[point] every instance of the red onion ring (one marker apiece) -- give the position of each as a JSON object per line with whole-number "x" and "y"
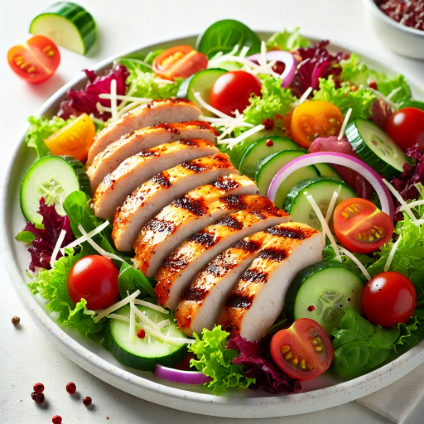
{"x": 179, "y": 376}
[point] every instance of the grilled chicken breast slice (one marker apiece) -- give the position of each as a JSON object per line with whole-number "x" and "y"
{"x": 203, "y": 299}
{"x": 110, "y": 158}
{"x": 139, "y": 168}
{"x": 145, "y": 202}
{"x": 147, "y": 115}
{"x": 258, "y": 298}
{"x": 183, "y": 217}
{"x": 200, "y": 248}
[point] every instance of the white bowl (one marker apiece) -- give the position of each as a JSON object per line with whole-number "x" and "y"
{"x": 400, "y": 38}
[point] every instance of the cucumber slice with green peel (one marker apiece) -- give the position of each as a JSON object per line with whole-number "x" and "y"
{"x": 51, "y": 177}
{"x": 144, "y": 354}
{"x": 323, "y": 292}
{"x": 262, "y": 148}
{"x": 183, "y": 88}
{"x": 322, "y": 190}
{"x": 82, "y": 176}
{"x": 326, "y": 170}
{"x": 202, "y": 82}
{"x": 375, "y": 148}
{"x": 68, "y": 25}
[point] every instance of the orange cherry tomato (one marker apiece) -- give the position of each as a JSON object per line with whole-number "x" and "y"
{"x": 303, "y": 351}
{"x": 179, "y": 61}
{"x": 36, "y": 60}
{"x": 315, "y": 119}
{"x": 360, "y": 226}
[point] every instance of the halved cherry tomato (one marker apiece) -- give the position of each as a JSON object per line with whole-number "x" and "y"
{"x": 389, "y": 299}
{"x": 179, "y": 61}
{"x": 315, "y": 119}
{"x": 75, "y": 139}
{"x": 406, "y": 128}
{"x": 36, "y": 60}
{"x": 360, "y": 226}
{"x": 303, "y": 351}
{"x": 95, "y": 279}
{"x": 232, "y": 91}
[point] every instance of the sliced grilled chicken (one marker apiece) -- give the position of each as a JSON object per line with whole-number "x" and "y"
{"x": 182, "y": 218}
{"x": 203, "y": 299}
{"x": 144, "y": 203}
{"x": 156, "y": 112}
{"x": 139, "y": 168}
{"x": 109, "y": 159}
{"x": 200, "y": 248}
{"x": 258, "y": 298}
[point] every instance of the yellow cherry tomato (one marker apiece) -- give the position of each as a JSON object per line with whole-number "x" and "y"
{"x": 315, "y": 119}
{"x": 75, "y": 139}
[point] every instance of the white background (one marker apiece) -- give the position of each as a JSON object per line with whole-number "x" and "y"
{"x": 26, "y": 356}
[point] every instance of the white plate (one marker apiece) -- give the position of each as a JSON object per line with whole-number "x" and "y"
{"x": 318, "y": 394}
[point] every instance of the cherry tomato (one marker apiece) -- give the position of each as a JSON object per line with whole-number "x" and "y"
{"x": 389, "y": 299}
{"x": 360, "y": 226}
{"x": 179, "y": 61}
{"x": 36, "y": 60}
{"x": 75, "y": 139}
{"x": 232, "y": 91}
{"x": 95, "y": 279}
{"x": 406, "y": 128}
{"x": 315, "y": 119}
{"x": 303, "y": 351}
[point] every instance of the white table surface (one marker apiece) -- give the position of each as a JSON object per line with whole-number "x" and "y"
{"x": 26, "y": 356}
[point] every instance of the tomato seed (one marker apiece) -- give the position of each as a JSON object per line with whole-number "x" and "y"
{"x": 284, "y": 348}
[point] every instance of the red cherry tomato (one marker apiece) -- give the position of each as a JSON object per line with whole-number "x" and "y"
{"x": 406, "y": 128}
{"x": 360, "y": 226}
{"x": 95, "y": 279}
{"x": 179, "y": 61}
{"x": 388, "y": 299}
{"x": 36, "y": 60}
{"x": 303, "y": 351}
{"x": 232, "y": 91}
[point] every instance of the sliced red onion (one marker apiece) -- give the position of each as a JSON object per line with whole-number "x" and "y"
{"x": 337, "y": 159}
{"x": 280, "y": 56}
{"x": 179, "y": 376}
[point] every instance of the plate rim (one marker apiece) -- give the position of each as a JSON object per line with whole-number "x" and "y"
{"x": 206, "y": 404}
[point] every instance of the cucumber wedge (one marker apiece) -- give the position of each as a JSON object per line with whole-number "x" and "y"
{"x": 321, "y": 189}
{"x": 68, "y": 25}
{"x": 323, "y": 292}
{"x": 262, "y": 148}
{"x": 375, "y": 148}
{"x": 144, "y": 354}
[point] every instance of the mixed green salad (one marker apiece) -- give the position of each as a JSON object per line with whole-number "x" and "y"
{"x": 333, "y": 143}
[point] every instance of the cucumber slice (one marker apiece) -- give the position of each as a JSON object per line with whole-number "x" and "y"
{"x": 53, "y": 178}
{"x": 259, "y": 149}
{"x": 82, "y": 176}
{"x": 326, "y": 170}
{"x": 375, "y": 148}
{"x": 323, "y": 292}
{"x": 321, "y": 189}
{"x": 144, "y": 354}
{"x": 202, "y": 82}
{"x": 68, "y": 25}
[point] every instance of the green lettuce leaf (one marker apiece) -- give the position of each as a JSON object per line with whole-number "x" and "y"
{"x": 214, "y": 360}
{"x": 25, "y": 236}
{"x": 359, "y": 101}
{"x": 287, "y": 41}
{"x": 132, "y": 279}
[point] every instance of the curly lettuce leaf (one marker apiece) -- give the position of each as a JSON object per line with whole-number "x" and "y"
{"x": 131, "y": 279}
{"x": 287, "y": 40}
{"x": 215, "y": 361}
{"x": 360, "y": 101}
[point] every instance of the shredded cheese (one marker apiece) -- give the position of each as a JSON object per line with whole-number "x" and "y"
{"x": 392, "y": 254}
{"x": 116, "y": 306}
{"x": 345, "y": 121}
{"x": 132, "y": 324}
{"x": 324, "y": 224}
{"x": 233, "y": 141}
{"x": 357, "y": 262}
{"x": 57, "y": 247}
{"x": 393, "y": 92}
{"x": 381, "y": 96}
{"x": 128, "y": 59}
{"x": 151, "y": 306}
{"x": 163, "y": 323}
{"x": 113, "y": 102}
{"x": 211, "y": 108}
{"x": 304, "y": 97}
{"x": 413, "y": 204}
{"x": 125, "y": 98}
{"x": 331, "y": 207}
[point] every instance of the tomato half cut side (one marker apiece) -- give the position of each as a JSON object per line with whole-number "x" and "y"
{"x": 315, "y": 119}
{"x": 303, "y": 351}
{"x": 179, "y": 61}
{"x": 36, "y": 60}
{"x": 360, "y": 226}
